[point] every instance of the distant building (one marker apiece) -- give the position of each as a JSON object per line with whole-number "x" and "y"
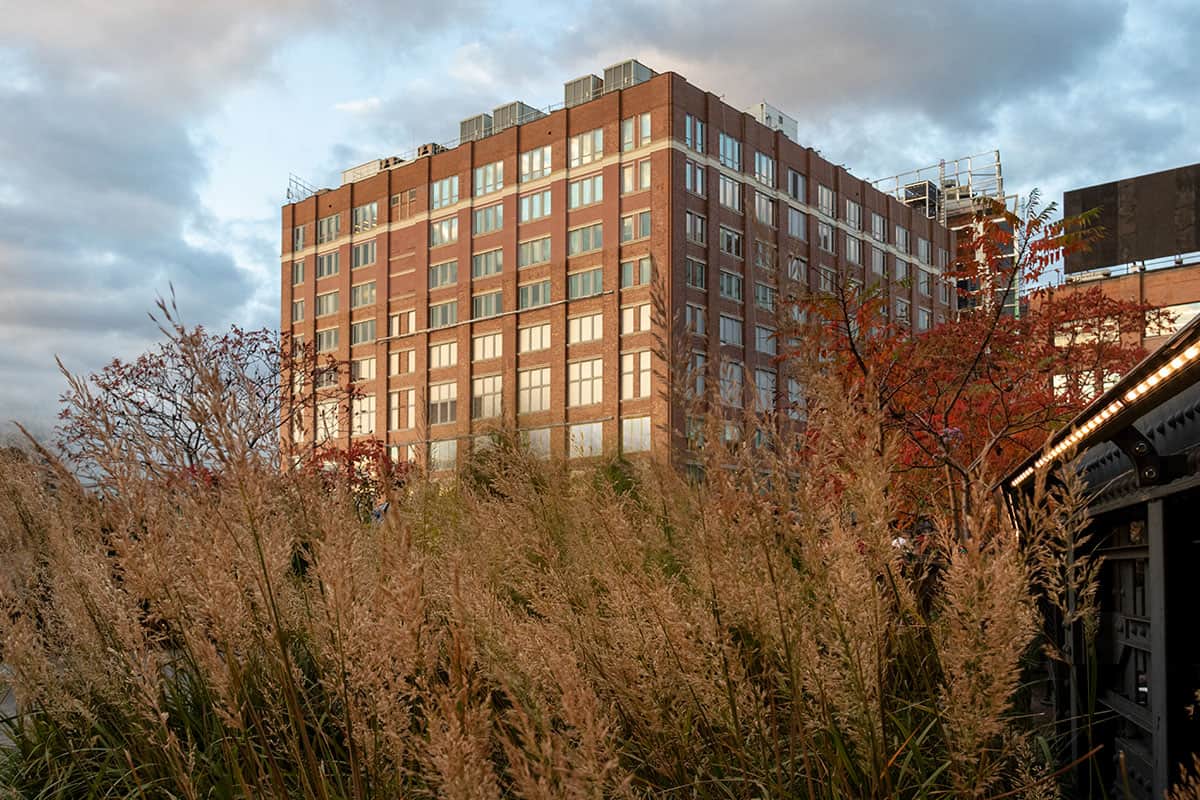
{"x": 510, "y": 277}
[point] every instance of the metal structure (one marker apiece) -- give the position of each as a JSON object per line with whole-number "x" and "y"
{"x": 298, "y": 189}
{"x": 1133, "y": 690}
{"x": 950, "y": 191}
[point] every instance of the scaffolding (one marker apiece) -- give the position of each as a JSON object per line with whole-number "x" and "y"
{"x": 298, "y": 189}
{"x": 950, "y": 190}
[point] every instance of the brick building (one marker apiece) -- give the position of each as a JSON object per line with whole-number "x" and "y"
{"x": 519, "y": 270}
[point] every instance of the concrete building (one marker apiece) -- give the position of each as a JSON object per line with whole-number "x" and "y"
{"x": 560, "y": 268}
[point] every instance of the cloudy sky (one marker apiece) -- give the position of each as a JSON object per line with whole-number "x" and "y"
{"x": 146, "y": 143}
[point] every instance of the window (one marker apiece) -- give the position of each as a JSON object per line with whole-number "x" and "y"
{"x": 635, "y": 273}
{"x": 328, "y": 228}
{"x": 485, "y": 397}
{"x": 765, "y": 255}
{"x": 362, "y": 295}
{"x": 327, "y": 340}
{"x": 943, "y": 258}
{"x": 695, "y": 228}
{"x": 586, "y": 147}
{"x": 535, "y": 164}
{"x": 635, "y": 177}
{"x": 489, "y": 178}
{"x": 764, "y": 340}
{"x": 878, "y": 261}
{"x": 826, "y": 279}
{"x": 487, "y": 305}
{"x": 532, "y": 295}
{"x": 443, "y": 403}
{"x": 924, "y": 319}
{"x": 402, "y": 322}
{"x": 943, "y": 291}
{"x": 695, "y": 319}
{"x": 731, "y": 383}
{"x": 327, "y": 265}
{"x": 485, "y": 264}
{"x": 298, "y": 237}
{"x": 731, "y": 331}
{"x": 853, "y": 249}
{"x": 587, "y": 439}
{"x": 402, "y": 362}
{"x": 585, "y": 240}
{"x": 365, "y": 217}
{"x": 487, "y": 346}
{"x": 444, "y": 231}
{"x": 405, "y": 203}
{"x": 878, "y": 227}
{"x": 362, "y": 332}
{"x": 797, "y": 269}
{"x": 588, "y": 328}
{"x": 585, "y": 191}
{"x": 635, "y": 131}
{"x": 327, "y": 420}
{"x": 925, "y": 282}
{"x": 693, "y": 177}
{"x": 489, "y": 219}
{"x": 902, "y": 307}
{"x": 901, "y": 271}
{"x": 443, "y": 455}
{"x": 536, "y": 251}
{"x": 695, "y": 273}
{"x": 923, "y": 252}
{"x": 401, "y": 409}
{"x": 635, "y": 375}
{"x": 533, "y": 390}
{"x": 326, "y": 377}
{"x": 635, "y": 434}
{"x": 362, "y": 415}
{"x": 362, "y": 254}
{"x": 327, "y": 304}
{"x": 699, "y": 371}
{"x": 635, "y": 319}
{"x": 764, "y": 383}
{"x": 729, "y": 192}
{"x": 585, "y": 284}
{"x": 443, "y": 193}
{"x": 297, "y": 310}
{"x": 443, "y": 354}
{"x": 635, "y": 226}
{"x": 901, "y": 239}
{"x": 825, "y": 237}
{"x": 731, "y": 242}
{"x": 731, "y": 286}
{"x": 443, "y": 314}
{"x": 764, "y": 296}
{"x": 585, "y": 382}
{"x": 797, "y": 186}
{"x": 764, "y": 169}
{"x": 444, "y": 274}
{"x": 537, "y": 441}
{"x": 854, "y": 215}
{"x": 797, "y": 224}
{"x": 764, "y": 209}
{"x": 730, "y": 152}
{"x": 535, "y": 206}
{"x": 533, "y": 338}
{"x": 826, "y": 201}
{"x": 795, "y": 399}
{"x": 693, "y": 133}
{"x": 297, "y": 272}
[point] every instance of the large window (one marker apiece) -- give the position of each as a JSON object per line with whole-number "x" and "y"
{"x": 362, "y": 415}
{"x": 693, "y": 177}
{"x": 443, "y": 403}
{"x": 731, "y": 286}
{"x": 588, "y": 328}
{"x": 695, "y": 318}
{"x": 327, "y": 265}
{"x": 327, "y": 304}
{"x": 362, "y": 254}
{"x": 327, "y": 340}
{"x": 878, "y": 227}
{"x": 443, "y": 354}
{"x": 487, "y": 305}
{"x": 635, "y": 226}
{"x": 535, "y": 164}
{"x": 635, "y": 319}
{"x": 532, "y": 295}
{"x": 825, "y": 237}
{"x": 362, "y": 332}
{"x": 635, "y": 375}
{"x": 328, "y": 228}
{"x": 297, "y": 272}
{"x": 444, "y": 274}
{"x": 365, "y": 217}
{"x": 535, "y": 251}
{"x": 695, "y": 273}
{"x": 731, "y": 331}
{"x": 826, "y": 200}
{"x": 443, "y": 455}
{"x": 487, "y": 346}
{"x": 635, "y": 177}
{"x": 902, "y": 239}
{"x": 853, "y": 249}
{"x": 362, "y": 295}
{"x": 853, "y": 215}
{"x": 443, "y": 314}
{"x": 797, "y": 186}
{"x": 635, "y": 132}
{"x": 533, "y": 338}
{"x": 635, "y": 272}
{"x": 585, "y": 382}
{"x": 587, "y": 147}
{"x": 585, "y": 284}
{"x": 488, "y": 263}
{"x": 731, "y": 242}
{"x": 485, "y": 397}
{"x": 489, "y": 219}
{"x": 693, "y": 133}
{"x": 731, "y": 383}
{"x": 402, "y": 409}
{"x": 585, "y": 240}
{"x": 764, "y": 383}
{"x": 797, "y": 224}
{"x": 587, "y": 440}
{"x": 695, "y": 228}
{"x": 635, "y": 434}
{"x": 489, "y": 178}
{"x": 585, "y": 191}
{"x": 297, "y": 311}
{"x": 443, "y": 193}
{"x": 764, "y": 168}
{"x": 764, "y": 340}
{"x": 730, "y": 192}
{"x": 535, "y": 206}
{"x": 443, "y": 231}
{"x": 533, "y": 390}
{"x": 764, "y": 297}
{"x": 730, "y": 151}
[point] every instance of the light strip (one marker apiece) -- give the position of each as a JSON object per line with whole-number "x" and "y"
{"x": 1153, "y": 379}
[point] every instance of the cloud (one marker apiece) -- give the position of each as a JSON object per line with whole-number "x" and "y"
{"x": 364, "y": 106}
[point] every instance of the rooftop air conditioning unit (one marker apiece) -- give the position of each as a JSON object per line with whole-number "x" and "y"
{"x": 475, "y": 127}
{"x": 582, "y": 90}
{"x": 388, "y": 163}
{"x": 626, "y": 74}
{"x": 431, "y": 149}
{"x": 514, "y": 113}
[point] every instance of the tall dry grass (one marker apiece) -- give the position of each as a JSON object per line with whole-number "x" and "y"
{"x": 530, "y": 630}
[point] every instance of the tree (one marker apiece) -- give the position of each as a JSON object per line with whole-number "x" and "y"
{"x": 969, "y": 399}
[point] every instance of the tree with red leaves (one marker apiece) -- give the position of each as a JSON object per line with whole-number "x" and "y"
{"x": 970, "y": 398}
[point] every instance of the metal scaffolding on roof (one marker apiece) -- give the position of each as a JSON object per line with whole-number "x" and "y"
{"x": 949, "y": 189}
